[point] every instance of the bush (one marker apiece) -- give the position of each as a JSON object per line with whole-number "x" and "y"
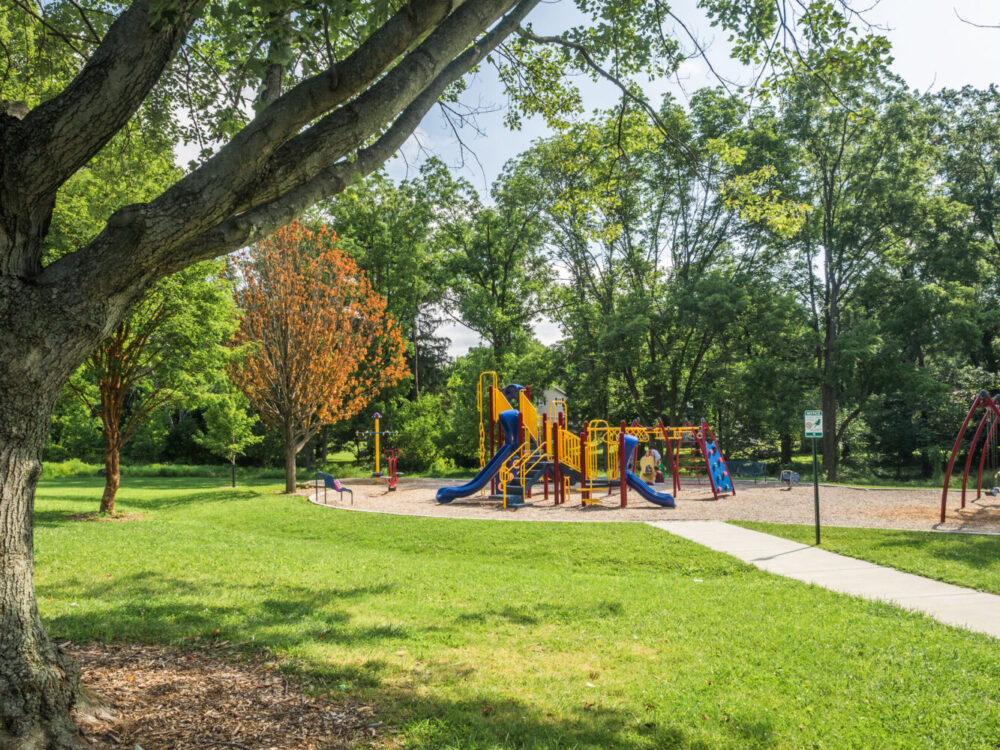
{"x": 77, "y": 468}
{"x": 420, "y": 424}
{"x": 74, "y": 467}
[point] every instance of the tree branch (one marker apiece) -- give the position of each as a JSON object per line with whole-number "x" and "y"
{"x": 261, "y": 220}
{"x": 62, "y": 134}
{"x": 585, "y": 55}
{"x": 142, "y": 243}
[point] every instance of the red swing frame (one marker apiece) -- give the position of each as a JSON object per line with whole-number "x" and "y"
{"x": 988, "y": 403}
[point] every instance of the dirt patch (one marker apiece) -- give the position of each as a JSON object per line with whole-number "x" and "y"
{"x": 917, "y": 509}
{"x": 96, "y": 516}
{"x": 159, "y": 699}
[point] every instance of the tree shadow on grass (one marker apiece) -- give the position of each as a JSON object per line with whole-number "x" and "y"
{"x": 433, "y": 705}
{"x": 154, "y": 608}
{"x": 425, "y": 714}
{"x": 83, "y": 504}
{"x": 976, "y": 551}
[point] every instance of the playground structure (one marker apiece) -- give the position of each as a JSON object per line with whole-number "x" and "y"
{"x": 391, "y": 454}
{"x": 391, "y": 475}
{"x": 987, "y": 448}
{"x": 520, "y": 448}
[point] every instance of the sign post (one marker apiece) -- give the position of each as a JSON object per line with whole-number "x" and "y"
{"x": 814, "y": 430}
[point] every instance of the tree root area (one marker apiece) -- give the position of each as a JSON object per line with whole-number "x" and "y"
{"x": 158, "y": 698}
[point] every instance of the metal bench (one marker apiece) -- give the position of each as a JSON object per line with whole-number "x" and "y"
{"x": 789, "y": 478}
{"x": 329, "y": 483}
{"x": 755, "y": 469}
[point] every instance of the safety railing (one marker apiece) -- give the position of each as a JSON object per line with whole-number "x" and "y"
{"x": 569, "y": 449}
{"x": 613, "y": 468}
{"x": 519, "y": 466}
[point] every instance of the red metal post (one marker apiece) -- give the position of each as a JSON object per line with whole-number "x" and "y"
{"x": 722, "y": 456}
{"x": 982, "y": 458}
{"x": 584, "y": 437}
{"x": 972, "y": 449}
{"x": 703, "y": 447}
{"x": 545, "y": 450}
{"x": 954, "y": 451}
{"x": 622, "y": 466}
{"x": 556, "y": 471}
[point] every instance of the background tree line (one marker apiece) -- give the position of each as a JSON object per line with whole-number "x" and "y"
{"x": 826, "y": 249}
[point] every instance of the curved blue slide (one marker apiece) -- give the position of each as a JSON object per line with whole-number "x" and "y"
{"x": 635, "y": 482}
{"x": 508, "y": 421}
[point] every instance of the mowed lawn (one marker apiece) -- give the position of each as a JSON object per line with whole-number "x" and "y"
{"x": 971, "y": 560}
{"x": 473, "y": 634}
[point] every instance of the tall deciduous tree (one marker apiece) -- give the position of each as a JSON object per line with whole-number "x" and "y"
{"x": 864, "y": 167}
{"x": 170, "y": 346}
{"x": 662, "y": 270}
{"x": 390, "y": 230}
{"x": 968, "y": 129}
{"x": 323, "y": 345}
{"x": 498, "y": 274}
{"x": 275, "y": 138}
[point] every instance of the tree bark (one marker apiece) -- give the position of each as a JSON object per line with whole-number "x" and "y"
{"x": 830, "y": 401}
{"x": 52, "y": 317}
{"x": 830, "y": 387}
{"x": 38, "y": 682}
{"x": 112, "y": 475}
{"x": 290, "y": 454}
{"x": 233, "y": 460}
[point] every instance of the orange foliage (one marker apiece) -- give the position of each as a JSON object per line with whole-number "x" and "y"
{"x": 322, "y": 344}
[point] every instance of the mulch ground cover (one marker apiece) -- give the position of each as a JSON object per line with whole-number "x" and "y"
{"x": 157, "y": 698}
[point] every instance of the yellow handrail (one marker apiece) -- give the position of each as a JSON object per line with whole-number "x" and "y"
{"x": 593, "y": 440}
{"x": 684, "y": 432}
{"x": 524, "y": 460}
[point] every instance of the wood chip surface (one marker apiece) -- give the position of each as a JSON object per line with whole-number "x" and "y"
{"x": 915, "y": 509}
{"x": 156, "y": 698}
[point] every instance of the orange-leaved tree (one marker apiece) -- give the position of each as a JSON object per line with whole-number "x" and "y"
{"x": 322, "y": 345}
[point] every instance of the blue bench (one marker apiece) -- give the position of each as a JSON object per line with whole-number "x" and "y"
{"x": 329, "y": 483}
{"x": 755, "y": 469}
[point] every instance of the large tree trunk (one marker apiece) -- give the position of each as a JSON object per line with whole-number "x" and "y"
{"x": 830, "y": 401}
{"x": 112, "y": 475}
{"x": 290, "y": 454}
{"x": 830, "y": 387}
{"x": 786, "y": 448}
{"x": 51, "y": 319}
{"x": 38, "y": 683}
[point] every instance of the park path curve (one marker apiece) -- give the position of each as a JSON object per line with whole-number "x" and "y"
{"x": 952, "y": 605}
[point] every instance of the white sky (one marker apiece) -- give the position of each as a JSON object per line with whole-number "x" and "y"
{"x": 932, "y": 49}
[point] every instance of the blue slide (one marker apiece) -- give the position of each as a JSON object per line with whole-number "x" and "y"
{"x": 635, "y": 482}
{"x": 508, "y": 421}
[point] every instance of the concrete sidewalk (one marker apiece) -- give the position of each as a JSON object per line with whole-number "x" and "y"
{"x": 953, "y": 605}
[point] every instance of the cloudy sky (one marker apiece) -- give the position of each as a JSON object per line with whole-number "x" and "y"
{"x": 932, "y": 49}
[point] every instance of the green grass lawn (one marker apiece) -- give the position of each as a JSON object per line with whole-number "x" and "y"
{"x": 472, "y": 634}
{"x": 971, "y": 560}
